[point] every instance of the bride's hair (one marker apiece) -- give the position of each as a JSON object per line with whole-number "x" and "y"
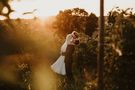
{"x": 75, "y": 34}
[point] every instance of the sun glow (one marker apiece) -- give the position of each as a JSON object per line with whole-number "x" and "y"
{"x": 45, "y": 8}
{"x": 32, "y": 8}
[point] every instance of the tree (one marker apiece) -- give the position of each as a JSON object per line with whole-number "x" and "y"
{"x": 75, "y": 19}
{"x": 91, "y": 24}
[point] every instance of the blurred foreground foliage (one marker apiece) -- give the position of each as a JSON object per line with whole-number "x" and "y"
{"x": 5, "y": 4}
{"x": 25, "y": 44}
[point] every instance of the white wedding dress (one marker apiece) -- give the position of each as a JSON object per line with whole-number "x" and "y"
{"x": 59, "y": 65}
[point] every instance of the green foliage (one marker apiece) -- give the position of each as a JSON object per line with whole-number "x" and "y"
{"x": 91, "y": 24}
{"x": 119, "y": 50}
{"x": 85, "y": 63}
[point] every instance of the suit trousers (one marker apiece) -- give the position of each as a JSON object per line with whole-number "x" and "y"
{"x": 69, "y": 61}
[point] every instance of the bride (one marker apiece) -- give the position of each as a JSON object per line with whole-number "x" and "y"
{"x": 59, "y": 65}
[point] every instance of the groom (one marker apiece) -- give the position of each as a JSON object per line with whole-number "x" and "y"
{"x": 72, "y": 40}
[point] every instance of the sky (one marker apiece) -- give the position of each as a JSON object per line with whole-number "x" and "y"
{"x": 46, "y": 8}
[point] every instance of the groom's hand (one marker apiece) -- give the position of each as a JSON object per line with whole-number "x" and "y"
{"x": 63, "y": 53}
{"x": 76, "y": 42}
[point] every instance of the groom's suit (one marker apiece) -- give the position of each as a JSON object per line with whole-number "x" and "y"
{"x": 69, "y": 57}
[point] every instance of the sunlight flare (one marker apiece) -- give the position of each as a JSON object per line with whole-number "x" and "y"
{"x": 32, "y": 8}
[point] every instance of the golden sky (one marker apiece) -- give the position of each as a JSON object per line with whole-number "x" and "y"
{"x": 46, "y": 8}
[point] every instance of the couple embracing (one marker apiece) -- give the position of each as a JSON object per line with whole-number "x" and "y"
{"x": 63, "y": 64}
